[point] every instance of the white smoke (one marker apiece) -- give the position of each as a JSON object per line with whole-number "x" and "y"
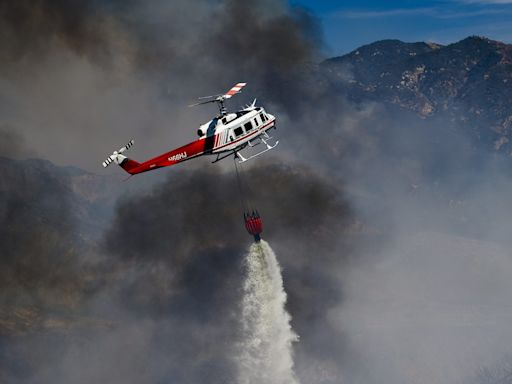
{"x": 265, "y": 353}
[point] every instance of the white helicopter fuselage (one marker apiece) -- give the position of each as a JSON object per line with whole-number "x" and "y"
{"x": 235, "y": 130}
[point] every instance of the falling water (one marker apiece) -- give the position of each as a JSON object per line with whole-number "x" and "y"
{"x": 265, "y": 354}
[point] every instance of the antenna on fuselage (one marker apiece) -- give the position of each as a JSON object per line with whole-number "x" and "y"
{"x": 219, "y": 99}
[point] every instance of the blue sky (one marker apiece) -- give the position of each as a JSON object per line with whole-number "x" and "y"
{"x": 350, "y": 24}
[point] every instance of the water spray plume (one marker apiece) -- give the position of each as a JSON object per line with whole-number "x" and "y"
{"x": 265, "y": 354}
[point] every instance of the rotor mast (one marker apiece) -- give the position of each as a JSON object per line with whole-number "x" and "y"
{"x": 222, "y": 107}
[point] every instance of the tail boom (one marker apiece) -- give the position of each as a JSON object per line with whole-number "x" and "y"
{"x": 178, "y": 155}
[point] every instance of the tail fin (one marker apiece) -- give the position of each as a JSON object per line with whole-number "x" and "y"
{"x": 128, "y": 164}
{"x": 121, "y": 160}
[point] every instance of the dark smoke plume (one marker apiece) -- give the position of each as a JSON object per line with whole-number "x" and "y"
{"x": 186, "y": 240}
{"x": 170, "y": 278}
{"x": 368, "y": 276}
{"x": 194, "y": 213}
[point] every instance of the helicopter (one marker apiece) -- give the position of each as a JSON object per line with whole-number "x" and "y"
{"x": 225, "y": 135}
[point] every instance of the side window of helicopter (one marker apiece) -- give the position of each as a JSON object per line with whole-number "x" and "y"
{"x": 256, "y": 121}
{"x": 238, "y": 131}
{"x": 248, "y": 126}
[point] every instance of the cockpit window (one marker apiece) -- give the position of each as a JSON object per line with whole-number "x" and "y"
{"x": 224, "y": 120}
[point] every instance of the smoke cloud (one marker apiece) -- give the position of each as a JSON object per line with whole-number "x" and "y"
{"x": 161, "y": 300}
{"x": 193, "y": 272}
{"x": 12, "y": 144}
{"x": 393, "y": 237}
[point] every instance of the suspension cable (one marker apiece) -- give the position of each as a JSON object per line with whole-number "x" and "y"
{"x": 243, "y": 196}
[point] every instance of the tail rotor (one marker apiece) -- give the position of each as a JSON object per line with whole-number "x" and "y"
{"x": 116, "y": 155}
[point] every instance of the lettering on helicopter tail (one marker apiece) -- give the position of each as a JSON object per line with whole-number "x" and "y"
{"x": 178, "y": 156}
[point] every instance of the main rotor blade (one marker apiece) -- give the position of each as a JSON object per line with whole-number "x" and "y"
{"x": 203, "y": 102}
{"x": 233, "y": 91}
{"x": 237, "y": 88}
{"x": 207, "y": 97}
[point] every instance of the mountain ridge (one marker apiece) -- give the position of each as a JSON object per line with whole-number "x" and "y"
{"x": 467, "y": 82}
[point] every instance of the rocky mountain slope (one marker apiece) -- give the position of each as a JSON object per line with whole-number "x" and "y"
{"x": 466, "y": 84}
{"x": 49, "y": 216}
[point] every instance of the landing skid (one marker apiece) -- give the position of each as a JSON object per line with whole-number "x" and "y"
{"x": 242, "y": 159}
{"x": 264, "y": 138}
